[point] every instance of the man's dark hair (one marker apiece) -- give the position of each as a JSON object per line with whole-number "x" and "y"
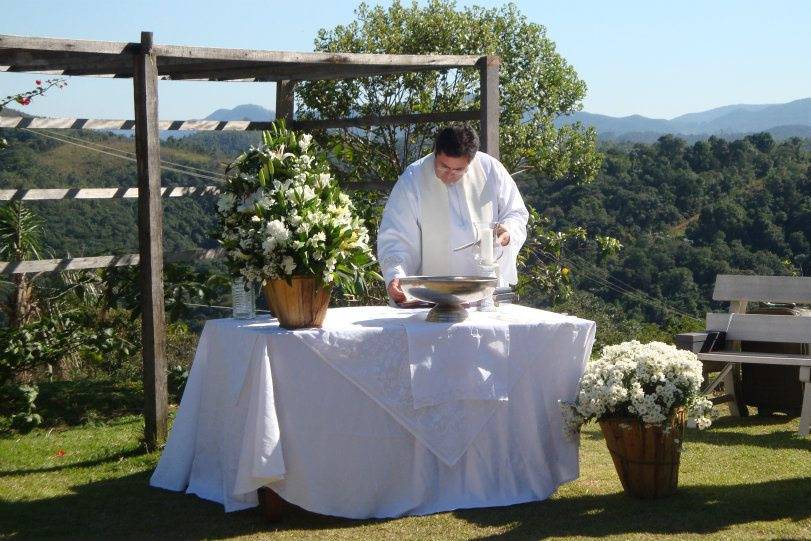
{"x": 457, "y": 140}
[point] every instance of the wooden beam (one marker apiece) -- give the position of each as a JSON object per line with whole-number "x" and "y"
{"x": 292, "y": 72}
{"x": 82, "y": 63}
{"x": 363, "y": 121}
{"x": 489, "y": 68}
{"x": 236, "y": 125}
{"x": 67, "y": 264}
{"x": 285, "y": 100}
{"x": 108, "y": 124}
{"x": 51, "y": 194}
{"x": 194, "y": 70}
{"x": 183, "y": 53}
{"x": 98, "y": 262}
{"x": 75, "y": 46}
{"x": 289, "y": 57}
{"x": 150, "y": 242}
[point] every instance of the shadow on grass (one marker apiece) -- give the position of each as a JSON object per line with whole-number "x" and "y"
{"x": 127, "y": 508}
{"x": 692, "y": 510}
{"x": 723, "y": 433}
{"x": 115, "y": 457}
{"x": 88, "y": 401}
{"x": 773, "y": 439}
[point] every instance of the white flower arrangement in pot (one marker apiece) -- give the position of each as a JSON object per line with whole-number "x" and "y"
{"x": 642, "y": 395}
{"x": 285, "y": 224}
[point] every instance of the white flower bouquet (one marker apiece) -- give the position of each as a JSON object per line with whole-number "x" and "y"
{"x": 647, "y": 382}
{"x": 282, "y": 215}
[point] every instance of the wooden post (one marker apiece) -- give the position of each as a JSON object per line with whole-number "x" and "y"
{"x": 490, "y": 108}
{"x": 150, "y": 241}
{"x": 285, "y": 101}
{"x": 733, "y": 383}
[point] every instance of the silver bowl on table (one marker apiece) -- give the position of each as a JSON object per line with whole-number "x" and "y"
{"x": 449, "y": 293}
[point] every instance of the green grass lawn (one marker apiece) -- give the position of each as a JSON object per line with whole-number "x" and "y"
{"x": 741, "y": 479}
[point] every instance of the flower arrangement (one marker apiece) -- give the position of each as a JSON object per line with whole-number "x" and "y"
{"x": 282, "y": 214}
{"x": 643, "y": 381}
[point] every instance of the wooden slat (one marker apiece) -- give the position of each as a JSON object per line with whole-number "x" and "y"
{"x": 65, "y": 123}
{"x": 757, "y": 358}
{"x": 50, "y": 194}
{"x": 763, "y": 328}
{"x": 730, "y": 287}
{"x": 108, "y": 124}
{"x": 489, "y": 76}
{"x": 73, "y": 263}
{"x": 58, "y": 194}
{"x": 98, "y": 262}
{"x": 237, "y": 125}
{"x": 195, "y": 255}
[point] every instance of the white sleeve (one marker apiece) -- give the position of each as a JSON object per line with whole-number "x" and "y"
{"x": 511, "y": 210}
{"x": 513, "y": 215}
{"x": 399, "y": 237}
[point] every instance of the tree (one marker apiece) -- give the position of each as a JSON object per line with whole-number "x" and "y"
{"x": 20, "y": 239}
{"x": 536, "y": 84}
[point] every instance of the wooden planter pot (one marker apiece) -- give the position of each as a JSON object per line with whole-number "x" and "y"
{"x": 300, "y": 305}
{"x": 646, "y": 457}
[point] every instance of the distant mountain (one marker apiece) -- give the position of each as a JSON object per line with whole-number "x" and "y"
{"x": 782, "y": 120}
{"x": 8, "y": 111}
{"x": 246, "y": 111}
{"x": 712, "y": 114}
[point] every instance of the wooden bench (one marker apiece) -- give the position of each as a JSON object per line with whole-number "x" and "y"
{"x": 740, "y": 326}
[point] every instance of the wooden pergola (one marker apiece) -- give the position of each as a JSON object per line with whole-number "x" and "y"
{"x": 146, "y": 63}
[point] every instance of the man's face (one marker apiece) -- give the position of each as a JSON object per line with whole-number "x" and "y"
{"x": 450, "y": 169}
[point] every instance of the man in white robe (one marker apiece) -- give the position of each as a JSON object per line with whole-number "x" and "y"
{"x": 435, "y": 206}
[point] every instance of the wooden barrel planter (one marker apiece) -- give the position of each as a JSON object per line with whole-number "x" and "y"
{"x": 300, "y": 304}
{"x": 646, "y": 457}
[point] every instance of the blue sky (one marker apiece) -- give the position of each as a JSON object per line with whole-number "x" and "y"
{"x": 658, "y": 59}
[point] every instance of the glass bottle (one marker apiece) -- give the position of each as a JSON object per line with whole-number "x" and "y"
{"x": 243, "y": 298}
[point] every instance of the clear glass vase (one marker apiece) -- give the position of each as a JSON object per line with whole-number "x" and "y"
{"x": 243, "y": 298}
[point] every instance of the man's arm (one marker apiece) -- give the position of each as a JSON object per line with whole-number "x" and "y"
{"x": 512, "y": 217}
{"x": 399, "y": 238}
{"x": 512, "y": 213}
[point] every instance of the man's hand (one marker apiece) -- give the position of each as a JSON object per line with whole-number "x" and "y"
{"x": 395, "y": 291}
{"x": 502, "y": 235}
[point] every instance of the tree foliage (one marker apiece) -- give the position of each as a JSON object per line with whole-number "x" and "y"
{"x": 536, "y": 86}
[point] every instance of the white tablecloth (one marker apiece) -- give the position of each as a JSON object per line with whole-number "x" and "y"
{"x": 328, "y": 417}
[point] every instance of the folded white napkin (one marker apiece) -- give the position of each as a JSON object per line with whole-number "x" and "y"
{"x": 458, "y": 361}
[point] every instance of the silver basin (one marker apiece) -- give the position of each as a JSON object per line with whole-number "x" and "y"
{"x": 449, "y": 293}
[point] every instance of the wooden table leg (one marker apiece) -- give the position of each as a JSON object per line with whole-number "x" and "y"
{"x": 272, "y": 505}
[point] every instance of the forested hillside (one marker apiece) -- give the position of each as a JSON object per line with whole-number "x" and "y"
{"x": 684, "y": 212}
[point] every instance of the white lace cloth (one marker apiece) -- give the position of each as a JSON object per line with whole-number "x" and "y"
{"x": 296, "y": 410}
